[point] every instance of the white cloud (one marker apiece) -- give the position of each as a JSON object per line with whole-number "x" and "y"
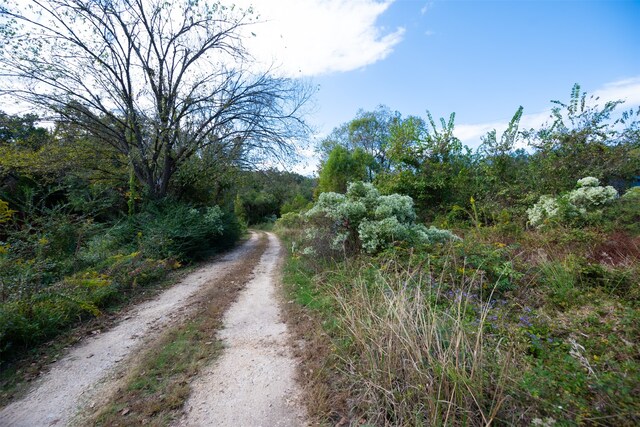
{"x": 313, "y": 37}
{"x": 426, "y": 7}
{"x": 468, "y": 133}
{"x": 627, "y": 90}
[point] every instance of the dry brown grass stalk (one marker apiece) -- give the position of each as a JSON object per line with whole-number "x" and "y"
{"x": 415, "y": 356}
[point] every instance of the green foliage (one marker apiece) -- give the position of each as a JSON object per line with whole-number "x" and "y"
{"x": 258, "y": 206}
{"x": 156, "y": 120}
{"x": 561, "y": 332}
{"x": 582, "y": 140}
{"x": 559, "y": 304}
{"x": 429, "y": 164}
{"x": 363, "y": 218}
{"x": 423, "y": 159}
{"x": 370, "y": 133}
{"x": 342, "y": 167}
{"x": 407, "y": 353}
{"x": 57, "y": 268}
{"x": 262, "y": 195}
{"x": 624, "y": 213}
{"x": 239, "y": 210}
{"x": 22, "y": 131}
{"x": 183, "y": 232}
{"x": 297, "y": 204}
{"x": 5, "y": 212}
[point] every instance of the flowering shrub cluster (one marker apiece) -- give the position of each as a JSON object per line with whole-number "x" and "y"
{"x": 588, "y": 197}
{"x": 364, "y": 219}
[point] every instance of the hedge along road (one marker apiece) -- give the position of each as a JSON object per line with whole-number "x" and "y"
{"x": 92, "y": 369}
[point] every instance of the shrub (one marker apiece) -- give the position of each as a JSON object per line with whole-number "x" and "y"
{"x": 133, "y": 269}
{"x": 172, "y": 230}
{"x": 364, "y": 219}
{"x": 58, "y": 269}
{"x": 577, "y": 206}
{"x": 625, "y": 212}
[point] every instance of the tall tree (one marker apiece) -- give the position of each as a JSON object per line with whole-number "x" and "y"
{"x": 369, "y": 132}
{"x": 159, "y": 81}
{"x": 342, "y": 167}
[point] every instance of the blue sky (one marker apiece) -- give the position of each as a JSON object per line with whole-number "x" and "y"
{"x": 484, "y": 59}
{"x": 479, "y": 59}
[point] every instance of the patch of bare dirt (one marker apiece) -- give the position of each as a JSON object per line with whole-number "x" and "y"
{"x": 619, "y": 249}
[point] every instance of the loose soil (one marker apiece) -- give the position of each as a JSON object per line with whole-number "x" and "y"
{"x": 255, "y": 373}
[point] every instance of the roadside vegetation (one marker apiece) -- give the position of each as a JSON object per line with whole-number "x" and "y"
{"x": 440, "y": 285}
{"x": 451, "y": 287}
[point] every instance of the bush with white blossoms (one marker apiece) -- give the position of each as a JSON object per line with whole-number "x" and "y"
{"x": 363, "y": 218}
{"x": 546, "y": 208}
{"x": 587, "y": 198}
{"x": 590, "y": 195}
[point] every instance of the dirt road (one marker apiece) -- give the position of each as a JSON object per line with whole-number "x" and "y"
{"x": 91, "y": 369}
{"x": 252, "y": 384}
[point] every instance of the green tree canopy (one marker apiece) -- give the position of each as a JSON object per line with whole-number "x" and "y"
{"x": 342, "y": 167}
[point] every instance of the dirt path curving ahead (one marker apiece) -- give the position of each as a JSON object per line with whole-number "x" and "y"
{"x": 253, "y": 382}
{"x": 88, "y": 371}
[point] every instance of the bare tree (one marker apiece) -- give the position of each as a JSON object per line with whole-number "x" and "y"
{"x": 159, "y": 81}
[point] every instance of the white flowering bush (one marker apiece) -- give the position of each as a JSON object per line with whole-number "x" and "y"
{"x": 364, "y": 219}
{"x": 587, "y": 199}
{"x": 588, "y": 181}
{"x": 378, "y": 234}
{"x": 590, "y": 195}
{"x": 546, "y": 208}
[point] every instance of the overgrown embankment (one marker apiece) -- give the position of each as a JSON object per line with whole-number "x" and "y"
{"x": 505, "y": 325}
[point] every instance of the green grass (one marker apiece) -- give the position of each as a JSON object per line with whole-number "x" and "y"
{"x": 553, "y": 331}
{"x": 299, "y": 280}
{"x": 157, "y": 389}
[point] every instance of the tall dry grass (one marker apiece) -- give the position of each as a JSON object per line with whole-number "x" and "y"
{"x": 416, "y": 353}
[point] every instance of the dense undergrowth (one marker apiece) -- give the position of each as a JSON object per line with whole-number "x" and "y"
{"x": 58, "y": 268}
{"x": 508, "y": 325}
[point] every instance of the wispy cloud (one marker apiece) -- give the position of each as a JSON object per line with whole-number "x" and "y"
{"x": 314, "y": 37}
{"x": 627, "y": 90}
{"x": 426, "y": 7}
